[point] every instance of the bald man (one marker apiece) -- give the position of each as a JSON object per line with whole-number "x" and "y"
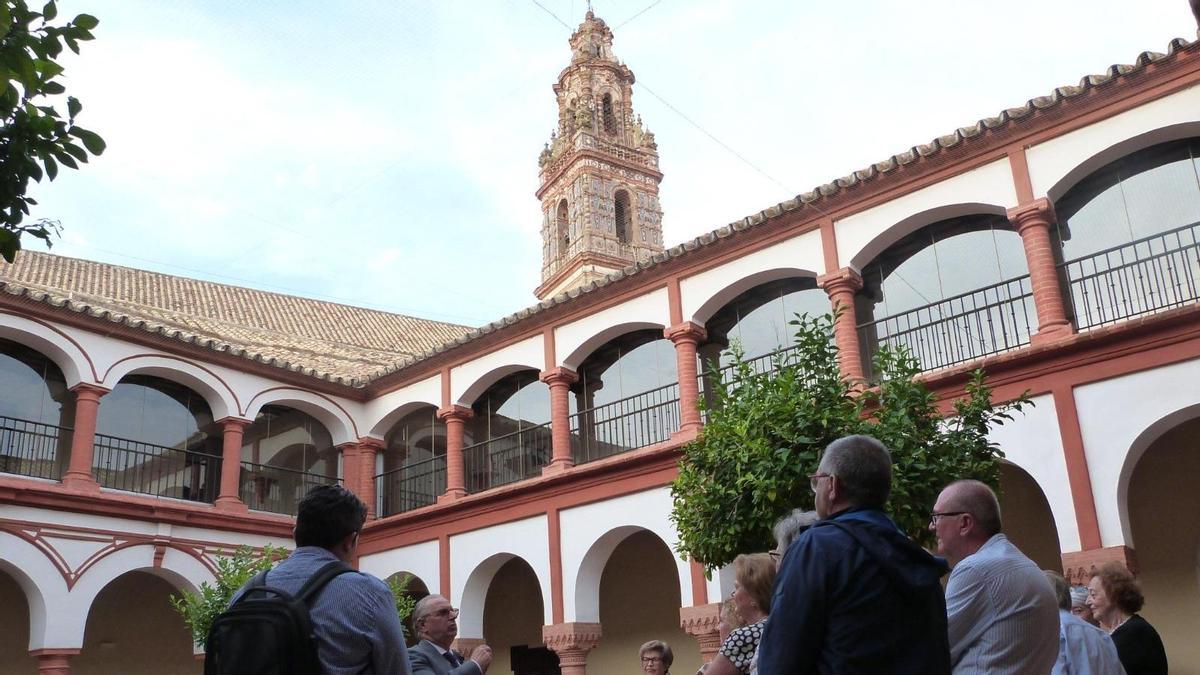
{"x": 1002, "y": 613}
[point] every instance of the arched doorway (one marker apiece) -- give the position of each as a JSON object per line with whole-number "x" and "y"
{"x": 1163, "y": 503}
{"x": 639, "y": 601}
{"x": 1028, "y": 521}
{"x": 14, "y": 638}
{"x": 146, "y": 637}
{"x": 513, "y": 617}
{"x": 415, "y": 589}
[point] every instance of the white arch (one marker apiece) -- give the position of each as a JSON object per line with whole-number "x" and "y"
{"x": 474, "y": 593}
{"x": 916, "y": 221}
{"x": 51, "y": 342}
{"x": 44, "y": 588}
{"x": 724, "y": 296}
{"x": 220, "y": 397}
{"x": 1138, "y": 449}
{"x": 1164, "y": 134}
{"x": 335, "y": 418}
{"x": 381, "y": 427}
{"x": 587, "y": 581}
{"x": 489, "y": 378}
{"x": 580, "y": 354}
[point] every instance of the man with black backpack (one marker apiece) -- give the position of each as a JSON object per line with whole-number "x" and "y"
{"x": 312, "y": 613}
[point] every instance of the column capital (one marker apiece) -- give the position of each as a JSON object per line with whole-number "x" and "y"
{"x": 1078, "y": 566}
{"x": 1038, "y": 213}
{"x": 231, "y": 421}
{"x": 686, "y": 331}
{"x": 700, "y": 621}
{"x": 561, "y": 637}
{"x": 456, "y": 413}
{"x": 842, "y": 279}
{"x": 368, "y": 443}
{"x": 559, "y": 375}
{"x": 89, "y": 391}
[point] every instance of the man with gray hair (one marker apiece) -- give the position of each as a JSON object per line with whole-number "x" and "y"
{"x": 787, "y": 529}
{"x": 436, "y": 623}
{"x": 854, "y": 594}
{"x": 1002, "y": 615}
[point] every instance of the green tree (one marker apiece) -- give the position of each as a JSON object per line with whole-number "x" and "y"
{"x": 35, "y": 138}
{"x": 764, "y": 434}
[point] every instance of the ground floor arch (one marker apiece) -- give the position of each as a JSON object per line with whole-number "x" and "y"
{"x": 132, "y": 630}
{"x": 1162, "y": 504}
{"x": 415, "y": 588}
{"x": 1028, "y": 520}
{"x": 513, "y": 616}
{"x": 640, "y": 601}
{"x": 14, "y": 639}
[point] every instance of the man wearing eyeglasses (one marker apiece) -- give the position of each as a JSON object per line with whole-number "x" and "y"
{"x": 436, "y": 623}
{"x": 1002, "y": 612}
{"x": 854, "y": 594}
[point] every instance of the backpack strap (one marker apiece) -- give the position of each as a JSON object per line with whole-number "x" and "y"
{"x": 316, "y": 583}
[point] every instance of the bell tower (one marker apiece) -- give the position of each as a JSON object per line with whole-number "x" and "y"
{"x": 599, "y": 172}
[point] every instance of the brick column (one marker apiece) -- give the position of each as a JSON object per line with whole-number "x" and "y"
{"x": 232, "y": 429}
{"x": 455, "y": 417}
{"x": 572, "y": 642}
{"x": 83, "y": 438}
{"x": 368, "y": 448}
{"x": 560, "y": 381}
{"x": 701, "y": 623}
{"x": 350, "y": 468}
{"x": 841, "y": 285}
{"x": 687, "y": 337}
{"x": 53, "y": 661}
{"x": 1078, "y": 566}
{"x": 1032, "y": 222}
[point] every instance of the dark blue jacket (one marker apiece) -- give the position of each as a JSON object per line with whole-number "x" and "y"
{"x": 856, "y": 595}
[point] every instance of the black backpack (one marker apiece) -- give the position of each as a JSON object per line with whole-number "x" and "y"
{"x": 268, "y": 631}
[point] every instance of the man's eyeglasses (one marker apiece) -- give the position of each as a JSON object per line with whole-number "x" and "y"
{"x": 816, "y": 478}
{"x": 933, "y": 517}
{"x": 446, "y": 611}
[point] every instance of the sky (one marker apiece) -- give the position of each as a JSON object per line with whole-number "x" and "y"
{"x": 384, "y": 153}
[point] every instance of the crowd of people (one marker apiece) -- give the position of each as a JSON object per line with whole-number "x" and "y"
{"x": 845, "y": 590}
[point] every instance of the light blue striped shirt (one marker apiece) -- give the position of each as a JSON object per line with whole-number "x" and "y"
{"x": 354, "y": 618}
{"x": 1001, "y": 613}
{"x": 1084, "y": 649}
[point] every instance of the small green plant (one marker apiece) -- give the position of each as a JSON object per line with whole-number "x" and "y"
{"x": 405, "y": 602}
{"x": 200, "y": 609}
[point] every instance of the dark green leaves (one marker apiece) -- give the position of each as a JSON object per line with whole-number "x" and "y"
{"x": 35, "y": 138}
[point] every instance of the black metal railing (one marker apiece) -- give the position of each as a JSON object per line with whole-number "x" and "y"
{"x": 985, "y": 321}
{"x": 628, "y": 424}
{"x": 411, "y": 486}
{"x": 506, "y": 459}
{"x": 133, "y": 466}
{"x": 1149, "y": 275}
{"x": 34, "y": 449}
{"x": 277, "y": 489}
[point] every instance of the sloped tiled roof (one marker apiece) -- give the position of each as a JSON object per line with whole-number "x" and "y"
{"x": 335, "y": 342}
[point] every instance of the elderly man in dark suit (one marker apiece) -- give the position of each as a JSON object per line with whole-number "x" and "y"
{"x": 436, "y": 623}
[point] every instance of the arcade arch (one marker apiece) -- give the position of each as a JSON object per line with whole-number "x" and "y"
{"x": 413, "y": 462}
{"x": 513, "y": 616}
{"x": 36, "y": 413}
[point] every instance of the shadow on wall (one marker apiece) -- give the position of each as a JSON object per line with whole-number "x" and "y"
{"x": 142, "y": 637}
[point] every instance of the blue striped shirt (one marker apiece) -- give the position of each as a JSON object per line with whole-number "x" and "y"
{"x": 354, "y": 617}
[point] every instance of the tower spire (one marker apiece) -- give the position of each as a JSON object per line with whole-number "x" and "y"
{"x": 599, "y": 173}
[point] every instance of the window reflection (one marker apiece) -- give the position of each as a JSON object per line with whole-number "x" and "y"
{"x": 508, "y": 437}
{"x": 159, "y": 412}
{"x": 32, "y": 387}
{"x": 290, "y": 439}
{"x": 417, "y": 437}
{"x": 759, "y": 319}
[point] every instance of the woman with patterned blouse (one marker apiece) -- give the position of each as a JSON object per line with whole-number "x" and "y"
{"x": 754, "y": 579}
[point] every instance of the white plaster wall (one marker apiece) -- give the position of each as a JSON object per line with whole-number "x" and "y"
{"x": 798, "y": 253}
{"x": 1112, "y": 415}
{"x": 988, "y": 184}
{"x": 527, "y": 539}
{"x": 527, "y": 353}
{"x": 420, "y": 560}
{"x": 592, "y": 331}
{"x": 379, "y": 414}
{"x": 1051, "y": 161}
{"x": 1033, "y": 442}
{"x": 336, "y": 414}
{"x": 58, "y": 345}
{"x": 582, "y": 527}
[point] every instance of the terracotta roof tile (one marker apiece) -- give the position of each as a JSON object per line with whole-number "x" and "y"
{"x": 327, "y": 340}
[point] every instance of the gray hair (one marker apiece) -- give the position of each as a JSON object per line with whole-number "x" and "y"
{"x": 980, "y": 501}
{"x": 863, "y": 466}
{"x": 423, "y": 609}
{"x": 1062, "y": 589}
{"x": 791, "y": 525}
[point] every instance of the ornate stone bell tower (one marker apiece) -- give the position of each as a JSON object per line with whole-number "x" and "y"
{"x": 599, "y": 172}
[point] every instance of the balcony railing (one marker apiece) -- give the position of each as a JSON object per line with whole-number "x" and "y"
{"x": 506, "y": 459}
{"x": 1142, "y": 277}
{"x": 411, "y": 486}
{"x": 628, "y": 424}
{"x": 277, "y": 489}
{"x": 32, "y": 449}
{"x": 986, "y": 321}
{"x": 133, "y": 466}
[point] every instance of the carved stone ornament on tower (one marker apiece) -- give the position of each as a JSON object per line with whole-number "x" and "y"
{"x": 599, "y": 173}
